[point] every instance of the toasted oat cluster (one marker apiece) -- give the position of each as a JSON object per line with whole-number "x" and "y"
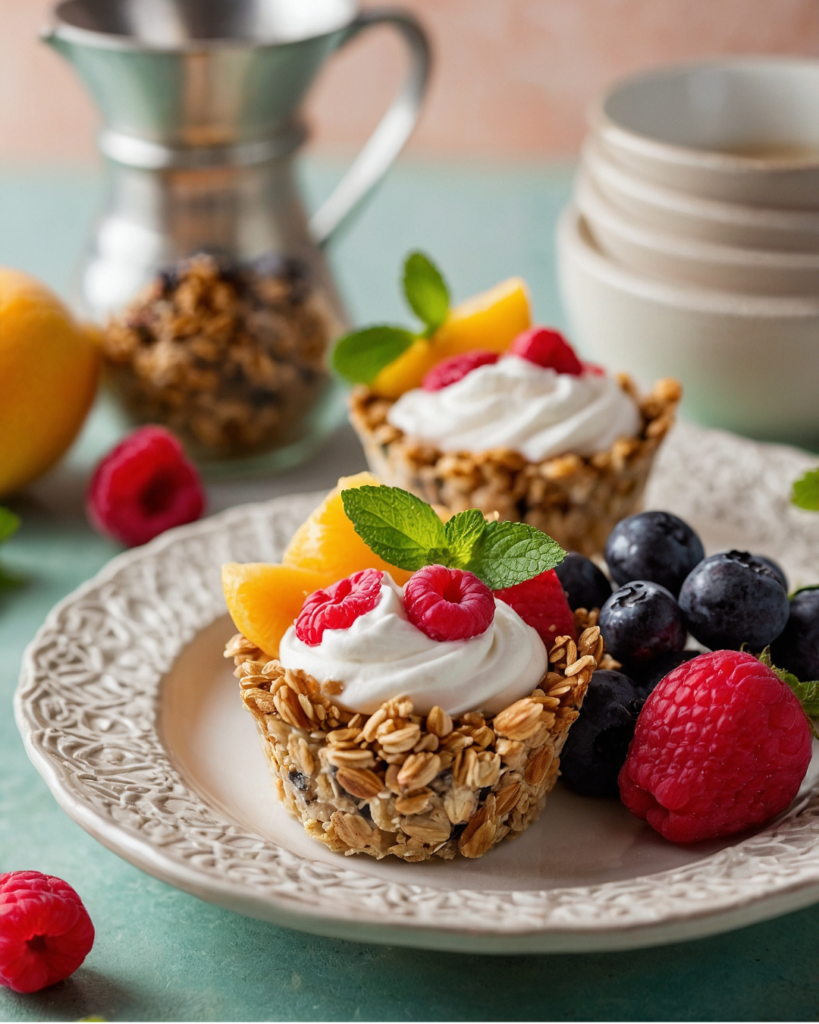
{"x": 229, "y": 356}
{"x": 414, "y": 786}
{"x": 576, "y": 500}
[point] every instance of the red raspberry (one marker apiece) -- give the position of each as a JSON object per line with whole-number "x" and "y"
{"x": 451, "y": 370}
{"x": 448, "y": 604}
{"x": 45, "y": 931}
{"x": 547, "y": 348}
{"x": 541, "y": 602}
{"x": 338, "y": 606}
{"x": 143, "y": 487}
{"x": 722, "y": 744}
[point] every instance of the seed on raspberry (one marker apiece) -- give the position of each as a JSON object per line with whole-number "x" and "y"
{"x": 547, "y": 348}
{"x": 451, "y": 370}
{"x": 338, "y": 606}
{"x": 143, "y": 487}
{"x": 448, "y": 604}
{"x": 46, "y": 932}
{"x": 721, "y": 745}
{"x": 542, "y": 604}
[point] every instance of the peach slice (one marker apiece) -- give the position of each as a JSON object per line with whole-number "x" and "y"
{"x": 264, "y": 600}
{"x": 327, "y": 542}
{"x": 491, "y": 320}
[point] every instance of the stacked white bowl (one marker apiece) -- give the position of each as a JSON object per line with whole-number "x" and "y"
{"x": 691, "y": 248}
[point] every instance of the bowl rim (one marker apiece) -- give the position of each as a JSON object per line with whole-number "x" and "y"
{"x": 682, "y": 296}
{"x": 601, "y": 164}
{"x": 692, "y": 250}
{"x": 604, "y": 125}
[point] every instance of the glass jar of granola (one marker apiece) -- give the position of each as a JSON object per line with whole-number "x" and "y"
{"x": 229, "y": 355}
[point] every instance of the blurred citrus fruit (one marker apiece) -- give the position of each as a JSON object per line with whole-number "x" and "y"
{"x": 491, "y": 320}
{"x": 49, "y": 367}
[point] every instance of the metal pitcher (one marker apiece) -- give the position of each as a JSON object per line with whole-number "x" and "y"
{"x": 200, "y": 102}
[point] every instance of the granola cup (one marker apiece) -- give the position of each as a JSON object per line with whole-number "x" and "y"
{"x": 413, "y": 786}
{"x": 577, "y": 500}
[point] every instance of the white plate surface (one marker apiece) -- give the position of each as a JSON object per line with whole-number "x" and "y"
{"x": 132, "y": 716}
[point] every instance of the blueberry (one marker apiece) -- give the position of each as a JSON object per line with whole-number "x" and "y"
{"x": 598, "y": 741}
{"x": 777, "y": 568}
{"x": 647, "y": 674}
{"x": 584, "y": 583}
{"x": 640, "y": 621}
{"x": 797, "y": 647}
{"x": 733, "y": 599}
{"x": 654, "y": 546}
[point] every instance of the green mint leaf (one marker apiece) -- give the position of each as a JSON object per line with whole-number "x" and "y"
{"x": 805, "y": 492}
{"x": 510, "y": 553}
{"x": 9, "y": 523}
{"x": 397, "y": 526}
{"x": 463, "y": 531}
{"x": 9, "y": 580}
{"x": 360, "y": 356}
{"x": 426, "y": 291}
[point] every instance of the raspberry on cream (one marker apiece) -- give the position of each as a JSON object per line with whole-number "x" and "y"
{"x": 383, "y": 655}
{"x": 517, "y": 404}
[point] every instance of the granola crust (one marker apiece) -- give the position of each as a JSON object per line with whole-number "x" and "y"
{"x": 410, "y": 785}
{"x": 576, "y": 500}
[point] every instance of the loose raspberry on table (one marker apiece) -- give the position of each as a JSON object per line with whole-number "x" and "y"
{"x": 448, "y": 604}
{"x": 542, "y": 603}
{"x": 338, "y": 606}
{"x": 451, "y": 370}
{"x": 143, "y": 487}
{"x": 721, "y": 745}
{"x": 547, "y": 348}
{"x": 45, "y": 931}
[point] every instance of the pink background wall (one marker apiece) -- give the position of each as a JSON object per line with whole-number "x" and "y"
{"x": 513, "y": 77}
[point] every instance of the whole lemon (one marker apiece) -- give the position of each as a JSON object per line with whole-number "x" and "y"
{"x": 49, "y": 367}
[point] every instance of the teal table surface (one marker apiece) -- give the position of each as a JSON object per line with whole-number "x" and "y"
{"x": 163, "y": 955}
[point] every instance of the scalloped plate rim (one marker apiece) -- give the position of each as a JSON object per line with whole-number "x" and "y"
{"x": 554, "y": 935}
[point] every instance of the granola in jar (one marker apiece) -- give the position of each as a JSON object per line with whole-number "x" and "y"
{"x": 231, "y": 357}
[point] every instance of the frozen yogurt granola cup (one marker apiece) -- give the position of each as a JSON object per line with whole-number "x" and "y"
{"x": 577, "y": 499}
{"x": 414, "y": 786}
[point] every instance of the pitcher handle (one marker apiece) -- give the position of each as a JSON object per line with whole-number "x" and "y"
{"x": 392, "y": 131}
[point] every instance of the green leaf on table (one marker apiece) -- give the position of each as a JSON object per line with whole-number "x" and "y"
{"x": 9, "y": 523}
{"x": 399, "y": 527}
{"x": 510, "y": 553}
{"x": 805, "y": 492}
{"x": 360, "y": 356}
{"x": 426, "y": 291}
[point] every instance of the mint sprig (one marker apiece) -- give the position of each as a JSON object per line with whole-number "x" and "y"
{"x": 360, "y": 356}
{"x": 405, "y": 531}
{"x": 805, "y": 491}
{"x": 9, "y": 525}
{"x": 425, "y": 291}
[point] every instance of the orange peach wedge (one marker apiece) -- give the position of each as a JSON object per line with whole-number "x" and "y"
{"x": 327, "y": 542}
{"x": 264, "y": 600}
{"x": 491, "y": 320}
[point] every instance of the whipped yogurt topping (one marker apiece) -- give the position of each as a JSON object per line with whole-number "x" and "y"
{"x": 517, "y": 404}
{"x": 383, "y": 655}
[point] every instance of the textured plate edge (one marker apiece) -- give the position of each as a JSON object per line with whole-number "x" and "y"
{"x": 413, "y": 933}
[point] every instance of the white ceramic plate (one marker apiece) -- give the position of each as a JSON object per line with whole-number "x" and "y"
{"x": 133, "y": 718}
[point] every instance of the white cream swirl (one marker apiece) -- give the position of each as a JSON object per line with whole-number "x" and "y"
{"x": 517, "y": 404}
{"x": 382, "y": 655}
